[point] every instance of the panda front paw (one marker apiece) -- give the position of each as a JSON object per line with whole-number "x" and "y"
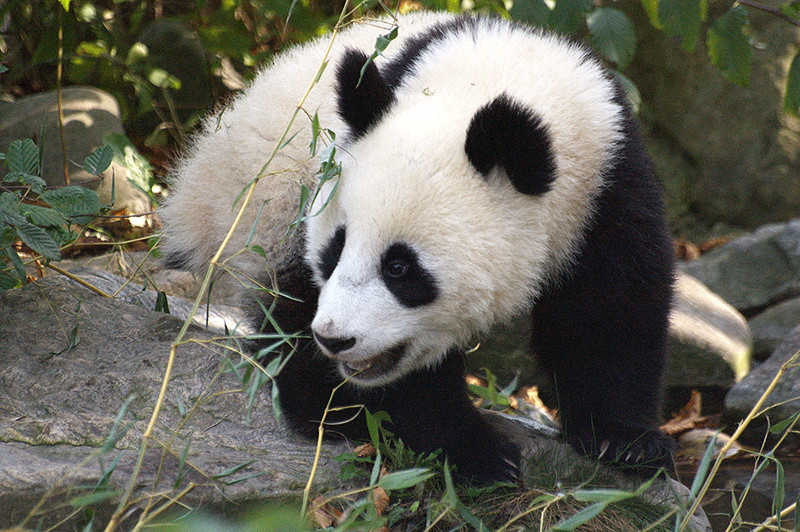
{"x": 487, "y": 463}
{"x": 631, "y": 449}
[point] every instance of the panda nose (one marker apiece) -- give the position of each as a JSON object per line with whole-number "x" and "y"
{"x": 334, "y": 345}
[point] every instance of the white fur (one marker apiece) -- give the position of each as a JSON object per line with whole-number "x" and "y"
{"x": 489, "y": 247}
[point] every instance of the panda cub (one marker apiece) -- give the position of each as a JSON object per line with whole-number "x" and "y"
{"x": 487, "y": 169}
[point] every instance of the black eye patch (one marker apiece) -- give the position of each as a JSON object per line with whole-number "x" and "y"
{"x": 329, "y": 257}
{"x": 406, "y": 278}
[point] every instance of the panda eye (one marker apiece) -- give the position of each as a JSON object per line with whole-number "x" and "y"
{"x": 396, "y": 269}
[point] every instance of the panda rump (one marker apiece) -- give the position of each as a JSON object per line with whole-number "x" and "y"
{"x": 487, "y": 170}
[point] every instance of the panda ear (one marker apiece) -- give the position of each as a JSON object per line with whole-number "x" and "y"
{"x": 362, "y": 99}
{"x": 504, "y": 133}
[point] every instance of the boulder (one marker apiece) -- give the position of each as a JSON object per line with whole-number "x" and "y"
{"x": 79, "y": 377}
{"x": 784, "y": 400}
{"x": 89, "y": 115}
{"x": 771, "y": 327}
{"x": 754, "y": 271}
{"x": 726, "y": 153}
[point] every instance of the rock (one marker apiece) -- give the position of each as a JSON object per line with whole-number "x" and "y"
{"x": 753, "y": 271}
{"x": 727, "y": 153}
{"x": 89, "y": 115}
{"x": 771, "y": 327}
{"x": 79, "y": 377}
{"x": 58, "y": 406}
{"x": 709, "y": 341}
{"x": 783, "y": 401}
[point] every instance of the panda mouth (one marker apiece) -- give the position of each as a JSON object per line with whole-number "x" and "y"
{"x": 374, "y": 367}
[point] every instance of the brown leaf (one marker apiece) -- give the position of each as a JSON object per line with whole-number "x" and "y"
{"x": 324, "y": 514}
{"x": 381, "y": 500}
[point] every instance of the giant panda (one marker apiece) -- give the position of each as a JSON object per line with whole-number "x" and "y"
{"x": 488, "y": 169}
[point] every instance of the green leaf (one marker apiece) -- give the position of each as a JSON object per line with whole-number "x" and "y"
{"x": 3, "y": 68}
{"x": 791, "y": 102}
{"x": 36, "y": 183}
{"x": 533, "y": 12}
{"x": 729, "y": 47}
{"x": 612, "y": 35}
{"x": 42, "y": 216}
{"x": 580, "y": 518}
{"x": 567, "y": 15}
{"x": 64, "y": 4}
{"x": 93, "y": 498}
{"x": 791, "y": 9}
{"x": 99, "y": 160}
{"x": 682, "y": 18}
{"x": 73, "y": 201}
{"x": 36, "y": 239}
{"x": 405, "y": 479}
{"x": 7, "y": 280}
{"x": 23, "y": 156}
{"x": 163, "y": 79}
{"x": 651, "y": 8}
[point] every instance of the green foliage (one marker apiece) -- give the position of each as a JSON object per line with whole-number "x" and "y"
{"x": 729, "y": 47}
{"x": 612, "y": 35}
{"x": 39, "y": 217}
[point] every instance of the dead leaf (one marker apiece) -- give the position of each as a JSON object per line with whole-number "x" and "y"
{"x": 324, "y": 514}
{"x": 381, "y": 500}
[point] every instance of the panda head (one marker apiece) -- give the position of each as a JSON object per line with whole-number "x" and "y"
{"x": 442, "y": 223}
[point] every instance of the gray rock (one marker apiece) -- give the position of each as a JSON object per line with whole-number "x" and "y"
{"x": 771, "y": 327}
{"x": 709, "y": 340}
{"x": 783, "y": 401}
{"x": 727, "y": 153}
{"x": 89, "y": 115}
{"x": 58, "y": 406}
{"x": 753, "y": 271}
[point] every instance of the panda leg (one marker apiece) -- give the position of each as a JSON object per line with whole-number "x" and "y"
{"x": 430, "y": 409}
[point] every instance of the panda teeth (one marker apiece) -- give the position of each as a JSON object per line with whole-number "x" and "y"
{"x": 359, "y": 365}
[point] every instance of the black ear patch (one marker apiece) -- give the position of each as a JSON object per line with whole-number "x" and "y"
{"x": 504, "y": 133}
{"x": 361, "y": 103}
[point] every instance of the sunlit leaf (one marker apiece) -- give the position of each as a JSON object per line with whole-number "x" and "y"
{"x": 791, "y": 102}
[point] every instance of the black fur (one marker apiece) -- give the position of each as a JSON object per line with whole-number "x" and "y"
{"x": 411, "y": 283}
{"x": 601, "y": 329}
{"x": 329, "y": 257}
{"x": 504, "y": 133}
{"x": 362, "y": 99}
{"x": 402, "y": 65}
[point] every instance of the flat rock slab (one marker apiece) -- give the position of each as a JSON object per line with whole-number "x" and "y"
{"x": 59, "y": 405}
